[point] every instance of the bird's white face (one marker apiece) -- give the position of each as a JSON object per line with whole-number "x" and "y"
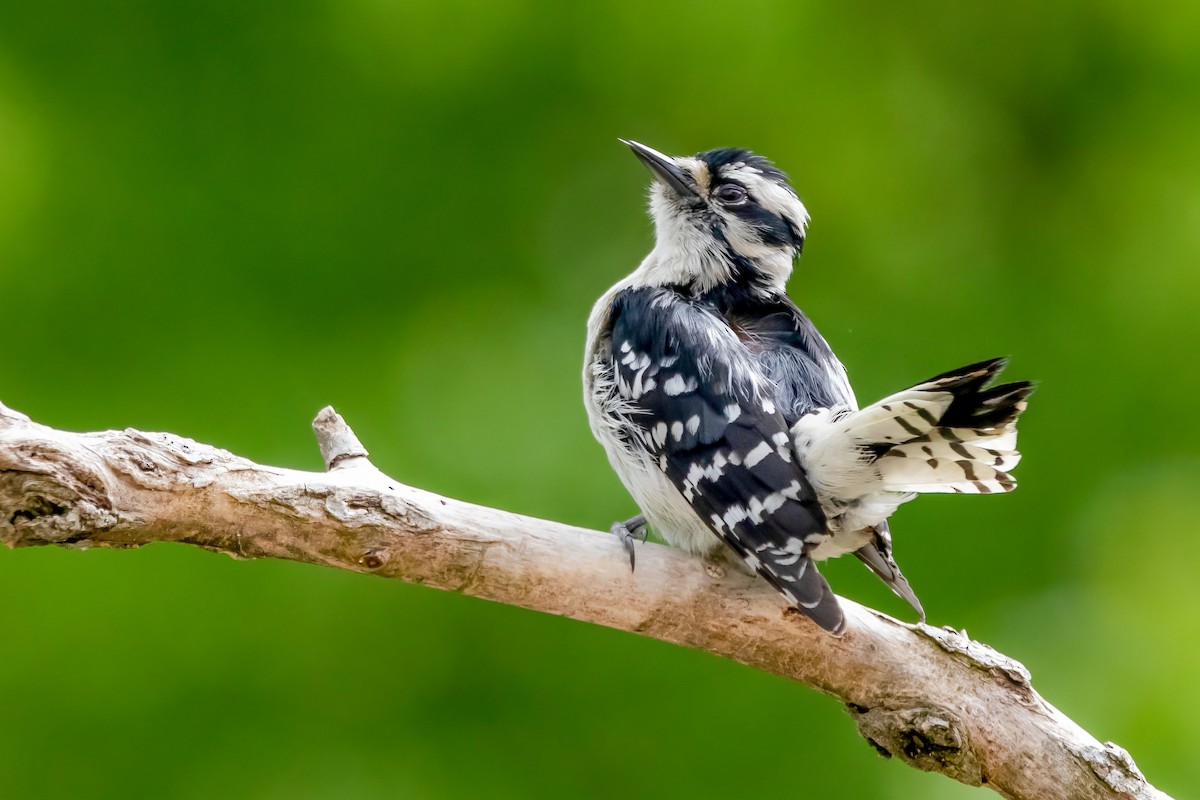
{"x": 721, "y": 217}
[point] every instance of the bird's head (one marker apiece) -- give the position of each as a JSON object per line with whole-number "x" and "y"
{"x": 721, "y": 217}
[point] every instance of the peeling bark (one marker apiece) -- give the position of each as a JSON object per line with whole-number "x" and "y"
{"x": 931, "y": 697}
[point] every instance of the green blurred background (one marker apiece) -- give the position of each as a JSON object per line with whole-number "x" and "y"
{"x": 217, "y": 217}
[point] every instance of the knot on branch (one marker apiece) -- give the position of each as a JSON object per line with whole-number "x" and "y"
{"x": 47, "y": 499}
{"x": 374, "y": 558}
{"x": 930, "y": 739}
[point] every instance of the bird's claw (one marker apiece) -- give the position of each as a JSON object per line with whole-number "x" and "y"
{"x": 628, "y": 534}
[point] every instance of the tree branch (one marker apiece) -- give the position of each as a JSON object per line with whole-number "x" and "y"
{"x": 932, "y": 697}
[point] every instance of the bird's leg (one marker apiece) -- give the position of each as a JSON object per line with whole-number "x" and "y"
{"x": 630, "y": 529}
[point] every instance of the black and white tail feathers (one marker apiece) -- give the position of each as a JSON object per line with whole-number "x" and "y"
{"x": 969, "y": 448}
{"x": 951, "y": 433}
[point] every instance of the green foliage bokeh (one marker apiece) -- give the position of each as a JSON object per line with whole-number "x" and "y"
{"x": 216, "y": 218}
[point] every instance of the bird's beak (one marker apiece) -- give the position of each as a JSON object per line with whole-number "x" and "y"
{"x": 664, "y": 168}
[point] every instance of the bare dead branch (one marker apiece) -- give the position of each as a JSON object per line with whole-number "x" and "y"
{"x": 932, "y": 697}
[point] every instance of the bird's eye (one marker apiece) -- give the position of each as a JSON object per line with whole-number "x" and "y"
{"x": 731, "y": 194}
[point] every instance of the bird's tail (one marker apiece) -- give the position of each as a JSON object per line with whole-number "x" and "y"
{"x": 951, "y": 433}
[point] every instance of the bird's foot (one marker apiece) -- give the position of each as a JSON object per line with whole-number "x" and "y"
{"x": 631, "y": 530}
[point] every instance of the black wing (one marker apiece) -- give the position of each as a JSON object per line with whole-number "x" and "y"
{"x": 702, "y": 407}
{"x": 807, "y": 376}
{"x": 792, "y": 353}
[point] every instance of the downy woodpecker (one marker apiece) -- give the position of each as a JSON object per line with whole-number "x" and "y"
{"x": 728, "y": 417}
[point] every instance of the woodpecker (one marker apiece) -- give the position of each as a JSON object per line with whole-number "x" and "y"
{"x": 729, "y": 419}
